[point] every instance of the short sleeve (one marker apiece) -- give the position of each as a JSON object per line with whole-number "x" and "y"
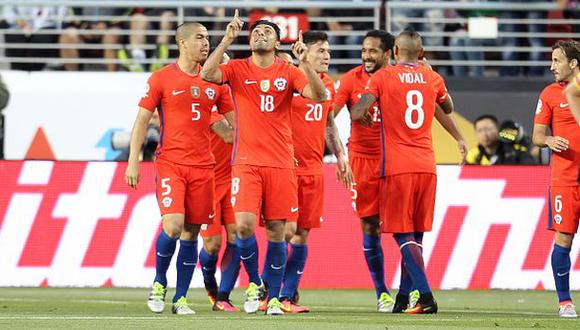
{"x": 224, "y": 102}
{"x": 153, "y": 93}
{"x": 543, "y": 110}
{"x": 374, "y": 85}
{"x": 227, "y": 70}
{"x": 298, "y": 79}
{"x": 344, "y": 90}
{"x": 441, "y": 89}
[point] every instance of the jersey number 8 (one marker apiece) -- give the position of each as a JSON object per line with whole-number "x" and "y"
{"x": 414, "y": 104}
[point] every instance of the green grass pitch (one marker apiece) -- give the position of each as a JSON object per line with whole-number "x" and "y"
{"x": 331, "y": 309}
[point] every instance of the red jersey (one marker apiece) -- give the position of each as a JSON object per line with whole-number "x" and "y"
{"x": 222, "y": 152}
{"x": 309, "y": 129}
{"x": 184, "y": 103}
{"x": 364, "y": 141}
{"x": 553, "y": 111}
{"x": 407, "y": 94}
{"x": 263, "y": 99}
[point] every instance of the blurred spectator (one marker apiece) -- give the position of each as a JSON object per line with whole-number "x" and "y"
{"x": 536, "y": 42}
{"x": 430, "y": 25}
{"x": 461, "y": 39}
{"x": 498, "y": 147}
{"x": 571, "y": 11}
{"x": 71, "y": 36}
{"x": 28, "y": 24}
{"x": 4, "y": 97}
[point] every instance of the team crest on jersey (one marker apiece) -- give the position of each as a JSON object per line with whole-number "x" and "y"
{"x": 558, "y": 219}
{"x": 280, "y": 84}
{"x": 210, "y": 93}
{"x": 195, "y": 91}
{"x": 167, "y": 201}
{"x": 265, "y": 85}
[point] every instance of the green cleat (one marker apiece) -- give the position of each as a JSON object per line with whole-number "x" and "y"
{"x": 275, "y": 307}
{"x": 385, "y": 303}
{"x": 156, "y": 301}
{"x": 182, "y": 308}
{"x": 253, "y": 294}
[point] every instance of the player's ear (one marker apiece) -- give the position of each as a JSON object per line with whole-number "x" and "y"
{"x": 421, "y": 53}
{"x": 277, "y": 44}
{"x": 573, "y": 64}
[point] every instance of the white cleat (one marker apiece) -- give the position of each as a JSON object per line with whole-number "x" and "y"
{"x": 182, "y": 308}
{"x": 274, "y": 307}
{"x": 156, "y": 301}
{"x": 253, "y": 295}
{"x": 385, "y": 303}
{"x": 567, "y": 310}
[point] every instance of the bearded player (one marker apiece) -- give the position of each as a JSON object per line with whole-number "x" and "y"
{"x": 263, "y": 173}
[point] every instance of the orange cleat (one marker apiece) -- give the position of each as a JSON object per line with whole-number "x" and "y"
{"x": 225, "y": 306}
{"x": 290, "y": 307}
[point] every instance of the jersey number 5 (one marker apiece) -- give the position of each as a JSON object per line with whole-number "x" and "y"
{"x": 196, "y": 114}
{"x": 414, "y": 104}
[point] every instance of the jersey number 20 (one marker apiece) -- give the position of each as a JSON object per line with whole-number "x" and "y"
{"x": 414, "y": 104}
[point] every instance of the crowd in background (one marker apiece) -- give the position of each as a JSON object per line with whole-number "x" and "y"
{"x": 126, "y": 46}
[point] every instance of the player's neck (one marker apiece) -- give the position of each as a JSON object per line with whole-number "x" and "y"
{"x": 405, "y": 61}
{"x": 263, "y": 60}
{"x": 572, "y": 76}
{"x": 191, "y": 68}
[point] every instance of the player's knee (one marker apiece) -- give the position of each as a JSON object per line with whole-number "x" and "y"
{"x": 371, "y": 226}
{"x": 563, "y": 239}
{"x": 290, "y": 231}
{"x": 276, "y": 230}
{"x": 173, "y": 226}
{"x": 212, "y": 245}
{"x": 244, "y": 229}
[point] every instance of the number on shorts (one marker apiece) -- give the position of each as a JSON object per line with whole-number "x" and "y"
{"x": 414, "y": 104}
{"x": 266, "y": 103}
{"x": 165, "y": 185}
{"x": 235, "y": 185}
{"x": 558, "y": 203}
{"x": 353, "y": 196}
{"x": 376, "y": 114}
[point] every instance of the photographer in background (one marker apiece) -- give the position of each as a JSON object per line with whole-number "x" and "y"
{"x": 499, "y": 146}
{"x": 4, "y": 97}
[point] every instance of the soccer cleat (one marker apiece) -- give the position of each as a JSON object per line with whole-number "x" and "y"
{"x": 385, "y": 303}
{"x": 263, "y": 305}
{"x": 182, "y": 308}
{"x": 253, "y": 295}
{"x": 290, "y": 307}
{"x": 274, "y": 307}
{"x": 424, "y": 305}
{"x": 401, "y": 303}
{"x": 225, "y": 306}
{"x": 413, "y": 298}
{"x": 567, "y": 309}
{"x": 211, "y": 293}
{"x": 156, "y": 301}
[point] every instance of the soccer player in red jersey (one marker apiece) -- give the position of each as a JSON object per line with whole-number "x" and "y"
{"x": 263, "y": 173}
{"x": 364, "y": 153}
{"x": 312, "y": 125}
{"x": 407, "y": 94}
{"x": 184, "y": 162}
{"x": 564, "y": 195}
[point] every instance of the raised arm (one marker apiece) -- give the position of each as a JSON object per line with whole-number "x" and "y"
{"x": 132, "y": 175}
{"x": 315, "y": 90}
{"x": 211, "y": 68}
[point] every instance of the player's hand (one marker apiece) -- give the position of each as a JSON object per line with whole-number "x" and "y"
{"x": 463, "y": 150}
{"x": 234, "y": 27}
{"x": 132, "y": 175}
{"x": 366, "y": 120}
{"x": 425, "y": 63}
{"x": 557, "y": 143}
{"x": 300, "y": 50}
{"x": 344, "y": 173}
